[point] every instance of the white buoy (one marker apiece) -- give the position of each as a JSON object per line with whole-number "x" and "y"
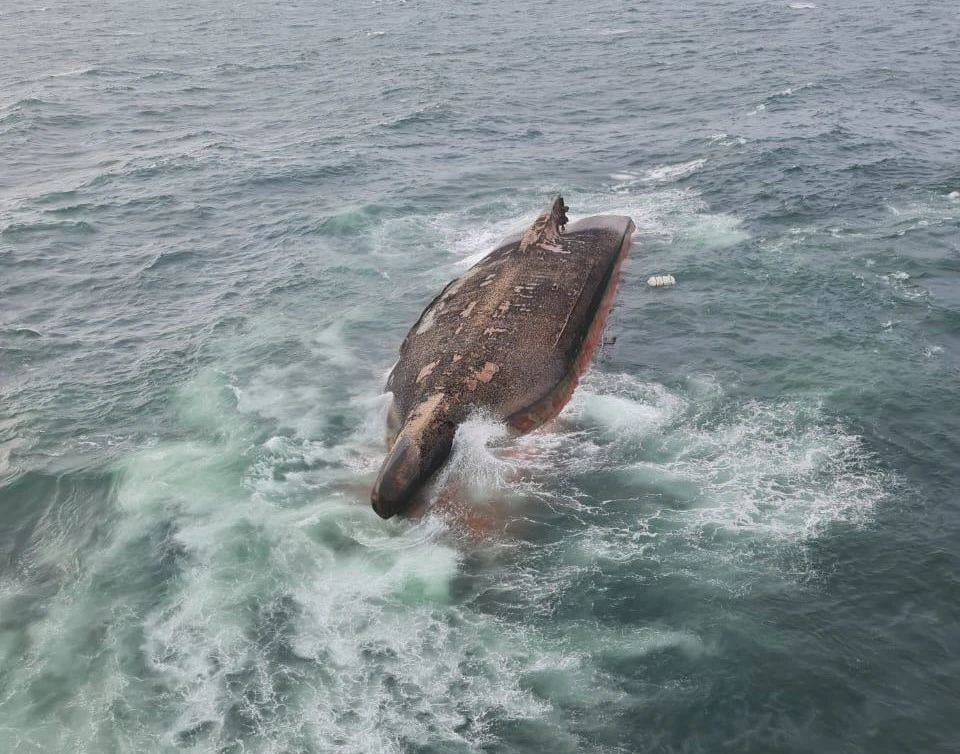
{"x": 659, "y": 281}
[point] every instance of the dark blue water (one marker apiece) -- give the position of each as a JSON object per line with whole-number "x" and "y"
{"x": 217, "y": 221}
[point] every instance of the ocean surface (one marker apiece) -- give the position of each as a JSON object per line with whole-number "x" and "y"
{"x": 218, "y": 220}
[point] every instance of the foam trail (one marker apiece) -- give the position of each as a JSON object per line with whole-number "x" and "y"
{"x": 246, "y": 597}
{"x": 665, "y": 173}
{"x": 284, "y": 618}
{"x": 675, "y": 215}
{"x": 726, "y": 476}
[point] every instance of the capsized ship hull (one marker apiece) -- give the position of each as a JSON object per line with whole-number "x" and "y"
{"x": 512, "y": 335}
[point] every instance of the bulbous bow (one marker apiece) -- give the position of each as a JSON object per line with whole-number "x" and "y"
{"x": 421, "y": 448}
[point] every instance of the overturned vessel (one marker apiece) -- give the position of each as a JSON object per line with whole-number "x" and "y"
{"x": 512, "y": 335}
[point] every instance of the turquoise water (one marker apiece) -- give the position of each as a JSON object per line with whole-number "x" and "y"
{"x": 217, "y": 221}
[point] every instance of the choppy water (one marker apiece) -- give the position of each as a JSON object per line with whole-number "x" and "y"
{"x": 217, "y": 221}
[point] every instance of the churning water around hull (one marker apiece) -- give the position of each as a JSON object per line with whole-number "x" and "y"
{"x": 241, "y": 593}
{"x": 216, "y": 224}
{"x": 245, "y": 594}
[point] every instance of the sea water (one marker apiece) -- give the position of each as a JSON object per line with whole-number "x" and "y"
{"x": 218, "y": 220}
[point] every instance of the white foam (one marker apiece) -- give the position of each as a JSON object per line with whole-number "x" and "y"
{"x": 778, "y": 470}
{"x": 472, "y": 460}
{"x": 627, "y": 645}
{"x": 332, "y": 345}
{"x": 71, "y": 72}
{"x": 459, "y": 234}
{"x": 293, "y": 617}
{"x": 678, "y": 216}
{"x": 624, "y": 406}
{"x": 726, "y": 140}
{"x": 730, "y": 480}
{"x": 7, "y": 449}
{"x": 455, "y": 241}
{"x": 899, "y": 284}
{"x": 290, "y": 612}
{"x": 666, "y": 173}
{"x": 472, "y": 242}
{"x": 915, "y": 215}
{"x": 373, "y": 653}
{"x": 802, "y": 6}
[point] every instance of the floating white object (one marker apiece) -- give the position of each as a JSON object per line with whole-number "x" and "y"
{"x": 659, "y": 281}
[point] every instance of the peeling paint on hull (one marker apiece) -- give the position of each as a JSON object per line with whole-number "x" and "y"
{"x": 513, "y": 335}
{"x": 538, "y": 414}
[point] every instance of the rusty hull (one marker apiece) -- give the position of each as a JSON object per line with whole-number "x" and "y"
{"x": 512, "y": 336}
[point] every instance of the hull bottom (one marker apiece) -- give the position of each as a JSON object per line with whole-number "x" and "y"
{"x": 552, "y": 404}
